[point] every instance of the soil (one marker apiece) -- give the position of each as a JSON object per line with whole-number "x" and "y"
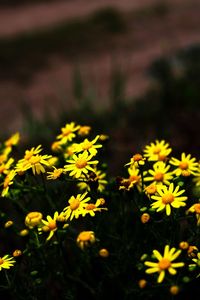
{"x": 131, "y": 52}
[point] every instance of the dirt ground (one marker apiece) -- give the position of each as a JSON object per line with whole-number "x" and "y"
{"x": 132, "y": 52}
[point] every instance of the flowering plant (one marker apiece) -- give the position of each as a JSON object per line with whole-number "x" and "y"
{"x": 70, "y": 229}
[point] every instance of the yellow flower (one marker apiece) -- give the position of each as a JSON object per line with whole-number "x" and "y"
{"x": 89, "y": 146}
{"x": 151, "y": 189}
{"x": 13, "y": 140}
{"x": 76, "y": 206}
{"x": 80, "y": 164}
{"x": 84, "y": 130}
{"x": 168, "y": 197}
{"x": 136, "y": 159}
{"x": 96, "y": 178}
{"x": 165, "y": 263}
{"x": 33, "y": 219}
{"x": 185, "y": 166}
{"x": 133, "y": 180}
{"x": 6, "y": 262}
{"x": 85, "y": 238}
{"x": 24, "y": 163}
{"x": 17, "y": 253}
{"x": 55, "y": 174}
{"x": 35, "y": 162}
{"x": 157, "y": 151}
{"x": 4, "y": 154}
{"x": 67, "y": 133}
{"x": 92, "y": 208}
{"x": 4, "y": 167}
{"x": 159, "y": 174}
{"x": 195, "y": 208}
{"x": 7, "y": 182}
{"x": 49, "y": 225}
{"x": 145, "y": 217}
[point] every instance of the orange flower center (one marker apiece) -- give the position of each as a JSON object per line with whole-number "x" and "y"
{"x": 81, "y": 163}
{"x": 164, "y": 264}
{"x": 158, "y": 176}
{"x": 2, "y": 168}
{"x": 74, "y": 204}
{"x": 162, "y": 157}
{"x": 134, "y": 178}
{"x": 86, "y": 145}
{"x": 156, "y": 150}
{"x": 1, "y": 261}
{"x": 52, "y": 225}
{"x": 168, "y": 198}
{"x": 151, "y": 189}
{"x": 197, "y": 208}
{"x": 66, "y": 131}
{"x": 183, "y": 165}
{"x": 137, "y": 157}
{"x": 57, "y": 173}
{"x": 35, "y": 160}
{"x": 90, "y": 206}
{"x": 28, "y": 155}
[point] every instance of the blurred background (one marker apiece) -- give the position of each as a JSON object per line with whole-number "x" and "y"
{"x": 130, "y": 69}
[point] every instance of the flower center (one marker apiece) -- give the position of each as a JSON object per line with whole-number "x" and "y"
{"x": 156, "y": 150}
{"x": 74, "y": 204}
{"x": 158, "y": 176}
{"x": 66, "y": 131}
{"x": 90, "y": 206}
{"x": 81, "y": 163}
{"x": 57, "y": 173}
{"x": 183, "y": 165}
{"x": 52, "y": 225}
{"x": 86, "y": 145}
{"x": 134, "y": 178}
{"x": 1, "y": 261}
{"x": 168, "y": 198}
{"x": 35, "y": 160}
{"x": 137, "y": 157}
{"x": 28, "y": 155}
{"x": 164, "y": 264}
{"x": 2, "y": 168}
{"x": 197, "y": 208}
{"x": 162, "y": 157}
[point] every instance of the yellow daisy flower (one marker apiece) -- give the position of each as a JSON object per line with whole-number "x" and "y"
{"x": 85, "y": 238}
{"x": 159, "y": 150}
{"x": 91, "y": 208}
{"x": 7, "y": 182}
{"x": 84, "y": 130}
{"x": 160, "y": 174}
{"x": 55, "y": 174}
{"x": 165, "y": 263}
{"x": 185, "y": 166}
{"x": 133, "y": 180}
{"x": 49, "y": 225}
{"x": 4, "y": 154}
{"x": 76, "y": 206}
{"x": 67, "y": 133}
{"x": 136, "y": 159}
{"x": 168, "y": 197}
{"x": 6, "y": 262}
{"x": 89, "y": 146}
{"x": 195, "y": 208}
{"x": 4, "y": 167}
{"x": 196, "y": 262}
{"x": 95, "y": 178}
{"x": 80, "y": 164}
{"x": 36, "y": 163}
{"x": 13, "y": 140}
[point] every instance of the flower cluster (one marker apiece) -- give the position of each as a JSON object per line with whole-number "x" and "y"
{"x": 54, "y": 210}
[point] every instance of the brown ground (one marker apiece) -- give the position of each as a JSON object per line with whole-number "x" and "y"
{"x": 133, "y": 52}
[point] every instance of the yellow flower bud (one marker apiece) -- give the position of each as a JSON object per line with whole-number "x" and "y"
{"x": 174, "y": 290}
{"x": 184, "y": 245}
{"x": 23, "y": 232}
{"x": 142, "y": 283}
{"x": 145, "y": 217}
{"x": 104, "y": 252}
{"x": 33, "y": 219}
{"x": 17, "y": 253}
{"x": 8, "y": 224}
